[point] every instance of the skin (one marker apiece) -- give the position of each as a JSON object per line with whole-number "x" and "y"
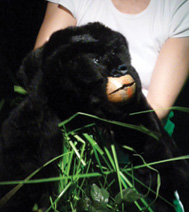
{"x": 131, "y": 6}
{"x": 172, "y": 66}
{"x": 169, "y": 75}
{"x": 56, "y": 18}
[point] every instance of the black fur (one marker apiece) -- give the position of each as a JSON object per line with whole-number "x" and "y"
{"x": 68, "y": 75}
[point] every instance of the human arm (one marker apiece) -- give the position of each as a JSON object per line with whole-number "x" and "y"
{"x": 56, "y": 17}
{"x": 169, "y": 75}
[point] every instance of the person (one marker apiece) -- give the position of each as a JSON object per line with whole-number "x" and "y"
{"x": 157, "y": 32}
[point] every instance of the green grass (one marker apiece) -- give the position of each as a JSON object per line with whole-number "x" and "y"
{"x": 86, "y": 170}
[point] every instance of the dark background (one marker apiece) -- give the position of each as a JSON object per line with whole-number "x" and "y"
{"x": 20, "y": 21}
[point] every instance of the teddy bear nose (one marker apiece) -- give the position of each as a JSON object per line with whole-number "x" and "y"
{"x": 120, "y": 71}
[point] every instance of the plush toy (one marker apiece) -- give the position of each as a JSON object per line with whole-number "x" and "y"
{"x": 81, "y": 69}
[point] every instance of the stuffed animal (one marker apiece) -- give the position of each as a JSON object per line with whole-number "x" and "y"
{"x": 81, "y": 69}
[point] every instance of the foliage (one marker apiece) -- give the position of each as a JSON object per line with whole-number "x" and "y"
{"x": 91, "y": 177}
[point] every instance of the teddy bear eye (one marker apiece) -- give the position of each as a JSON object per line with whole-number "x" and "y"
{"x": 96, "y": 60}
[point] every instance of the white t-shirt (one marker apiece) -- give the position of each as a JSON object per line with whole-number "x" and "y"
{"x": 145, "y": 32}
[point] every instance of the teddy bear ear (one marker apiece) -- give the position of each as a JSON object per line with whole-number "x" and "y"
{"x": 30, "y": 67}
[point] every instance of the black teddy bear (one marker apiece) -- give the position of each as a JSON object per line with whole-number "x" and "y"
{"x": 81, "y": 69}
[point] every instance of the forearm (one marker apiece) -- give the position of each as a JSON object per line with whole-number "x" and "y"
{"x": 169, "y": 75}
{"x": 56, "y": 18}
